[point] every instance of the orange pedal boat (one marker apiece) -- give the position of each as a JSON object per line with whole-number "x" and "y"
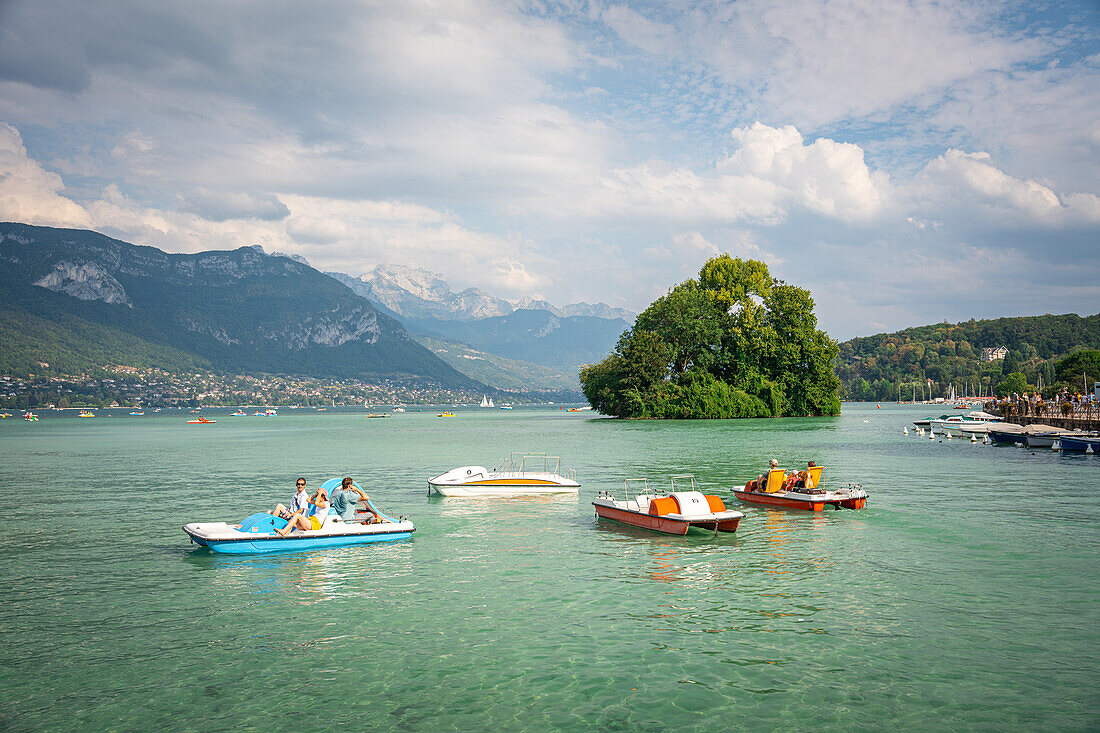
{"x": 802, "y": 492}
{"x": 672, "y": 513}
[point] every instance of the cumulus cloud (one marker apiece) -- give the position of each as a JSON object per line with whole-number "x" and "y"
{"x": 772, "y": 172}
{"x": 513, "y": 278}
{"x": 29, "y": 193}
{"x": 971, "y": 179}
{"x": 825, "y": 176}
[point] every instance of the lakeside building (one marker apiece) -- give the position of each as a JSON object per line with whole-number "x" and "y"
{"x": 993, "y": 354}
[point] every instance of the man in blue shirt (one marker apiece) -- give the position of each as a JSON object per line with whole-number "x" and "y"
{"x": 343, "y": 501}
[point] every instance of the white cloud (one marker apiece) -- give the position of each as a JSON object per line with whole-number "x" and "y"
{"x": 957, "y": 178}
{"x": 823, "y": 60}
{"x": 771, "y": 173}
{"x": 825, "y": 176}
{"x": 29, "y": 193}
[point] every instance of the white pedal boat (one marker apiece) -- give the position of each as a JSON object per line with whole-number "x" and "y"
{"x": 673, "y": 513}
{"x": 520, "y": 474}
{"x": 257, "y": 533}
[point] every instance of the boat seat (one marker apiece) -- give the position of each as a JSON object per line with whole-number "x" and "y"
{"x": 816, "y": 476}
{"x": 776, "y": 478}
{"x": 664, "y": 505}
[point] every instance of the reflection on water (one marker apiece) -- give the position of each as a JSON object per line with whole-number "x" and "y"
{"x": 311, "y": 577}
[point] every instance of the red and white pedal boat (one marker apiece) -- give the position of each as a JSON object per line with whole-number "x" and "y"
{"x": 781, "y": 490}
{"x": 673, "y": 513}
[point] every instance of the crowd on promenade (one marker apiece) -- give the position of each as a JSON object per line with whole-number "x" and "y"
{"x": 1064, "y": 404}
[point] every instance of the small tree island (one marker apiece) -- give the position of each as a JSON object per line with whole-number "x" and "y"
{"x": 736, "y": 342}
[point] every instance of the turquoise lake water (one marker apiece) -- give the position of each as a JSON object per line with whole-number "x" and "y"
{"x": 964, "y": 596}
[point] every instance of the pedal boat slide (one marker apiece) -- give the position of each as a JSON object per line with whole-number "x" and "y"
{"x": 257, "y": 533}
{"x": 673, "y": 513}
{"x": 520, "y": 474}
{"x": 812, "y": 497}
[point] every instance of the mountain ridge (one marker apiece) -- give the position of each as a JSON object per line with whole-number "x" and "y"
{"x": 416, "y": 292}
{"x": 237, "y": 311}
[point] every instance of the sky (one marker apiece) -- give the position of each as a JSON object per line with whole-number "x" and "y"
{"x": 908, "y": 162}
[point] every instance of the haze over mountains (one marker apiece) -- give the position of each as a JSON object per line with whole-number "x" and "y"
{"x": 419, "y": 293}
{"x": 83, "y": 299}
{"x": 529, "y": 330}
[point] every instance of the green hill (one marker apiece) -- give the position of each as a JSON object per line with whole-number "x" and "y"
{"x": 77, "y": 299}
{"x": 875, "y": 367}
{"x": 498, "y": 371}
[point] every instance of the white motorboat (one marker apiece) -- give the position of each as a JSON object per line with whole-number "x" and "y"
{"x": 953, "y": 424}
{"x": 682, "y": 508}
{"x": 519, "y": 474}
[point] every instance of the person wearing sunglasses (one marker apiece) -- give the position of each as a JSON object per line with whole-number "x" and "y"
{"x": 300, "y": 502}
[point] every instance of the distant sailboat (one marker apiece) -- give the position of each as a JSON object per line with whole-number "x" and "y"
{"x": 491, "y": 402}
{"x": 485, "y": 401}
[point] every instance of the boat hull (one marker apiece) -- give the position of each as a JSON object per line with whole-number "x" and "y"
{"x": 503, "y": 488}
{"x": 811, "y": 503}
{"x": 999, "y": 438}
{"x": 263, "y": 544}
{"x": 1080, "y": 444}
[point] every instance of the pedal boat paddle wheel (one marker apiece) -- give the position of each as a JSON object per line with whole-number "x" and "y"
{"x": 258, "y": 533}
{"x": 673, "y": 513}
{"x": 786, "y": 491}
{"x": 519, "y": 474}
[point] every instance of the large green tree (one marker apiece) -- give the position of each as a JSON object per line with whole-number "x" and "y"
{"x": 735, "y": 342}
{"x": 1079, "y": 368}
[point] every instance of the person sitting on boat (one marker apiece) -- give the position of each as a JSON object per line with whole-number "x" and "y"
{"x": 299, "y": 503}
{"x": 344, "y": 501}
{"x": 761, "y": 481}
{"x": 312, "y": 517}
{"x": 800, "y": 478}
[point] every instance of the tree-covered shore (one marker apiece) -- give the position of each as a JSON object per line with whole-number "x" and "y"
{"x": 734, "y": 342}
{"x": 888, "y": 365}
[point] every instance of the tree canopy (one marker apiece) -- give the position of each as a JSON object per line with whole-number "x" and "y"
{"x": 735, "y": 342}
{"x": 1079, "y": 368}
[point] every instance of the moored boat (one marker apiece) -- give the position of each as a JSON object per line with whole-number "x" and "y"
{"x": 519, "y": 474}
{"x": 682, "y": 508}
{"x": 1007, "y": 434}
{"x": 798, "y": 491}
{"x": 1043, "y": 436}
{"x": 1075, "y": 443}
{"x": 954, "y": 424}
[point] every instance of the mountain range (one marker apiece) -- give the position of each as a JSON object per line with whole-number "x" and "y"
{"x": 414, "y": 292}
{"x": 531, "y": 339}
{"x": 79, "y": 299}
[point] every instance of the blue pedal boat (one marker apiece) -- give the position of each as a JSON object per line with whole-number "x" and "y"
{"x": 257, "y": 533}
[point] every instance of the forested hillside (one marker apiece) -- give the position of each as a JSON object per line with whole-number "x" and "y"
{"x": 75, "y": 299}
{"x": 877, "y": 367}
